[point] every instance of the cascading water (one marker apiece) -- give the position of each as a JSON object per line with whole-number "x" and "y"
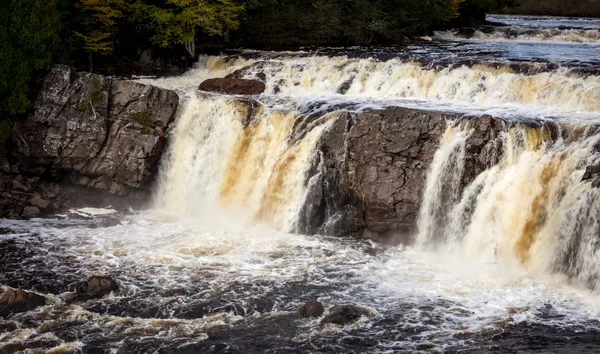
{"x": 214, "y": 266}
{"x": 481, "y": 85}
{"x": 226, "y": 154}
{"x": 531, "y": 208}
{"x": 524, "y": 34}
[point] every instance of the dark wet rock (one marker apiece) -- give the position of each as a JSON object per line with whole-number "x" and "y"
{"x": 592, "y": 173}
{"x": 247, "y": 72}
{"x": 16, "y": 300}
{"x": 96, "y": 287}
{"x": 30, "y": 212}
{"x": 96, "y": 131}
{"x": 370, "y": 235}
{"x": 39, "y": 202}
{"x": 344, "y": 314}
{"x": 345, "y": 86}
{"x": 233, "y": 86}
{"x": 371, "y": 169}
{"x": 18, "y": 186}
{"x": 313, "y": 308}
{"x": 391, "y": 237}
{"x": 90, "y": 141}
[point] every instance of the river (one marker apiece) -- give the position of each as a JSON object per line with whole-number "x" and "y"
{"x": 507, "y": 264}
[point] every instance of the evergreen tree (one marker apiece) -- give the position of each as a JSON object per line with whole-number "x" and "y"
{"x": 179, "y": 20}
{"x": 100, "y": 24}
{"x": 29, "y": 35}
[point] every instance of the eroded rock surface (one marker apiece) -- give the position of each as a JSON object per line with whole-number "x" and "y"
{"x": 87, "y": 131}
{"x": 344, "y": 314}
{"x": 370, "y": 173}
{"x": 96, "y": 131}
{"x": 96, "y": 287}
{"x": 313, "y": 308}
{"x": 17, "y": 300}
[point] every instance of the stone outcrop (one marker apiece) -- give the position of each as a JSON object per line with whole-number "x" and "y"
{"x": 97, "y": 132}
{"x": 344, "y": 314}
{"x": 16, "y": 300}
{"x": 233, "y": 86}
{"x": 96, "y": 287}
{"x": 313, "y": 308}
{"x": 87, "y": 131}
{"x": 370, "y": 173}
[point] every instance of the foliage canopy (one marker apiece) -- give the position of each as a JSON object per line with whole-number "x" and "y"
{"x": 178, "y": 21}
{"x": 29, "y": 36}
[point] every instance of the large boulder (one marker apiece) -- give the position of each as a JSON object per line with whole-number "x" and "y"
{"x": 96, "y": 287}
{"x": 344, "y": 314}
{"x": 313, "y": 308}
{"x": 30, "y": 212}
{"x": 371, "y": 171}
{"x": 16, "y": 300}
{"x": 233, "y": 86}
{"x": 96, "y": 131}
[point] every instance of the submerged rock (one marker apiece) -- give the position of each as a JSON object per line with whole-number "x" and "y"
{"x": 233, "y": 86}
{"x": 313, "y": 308}
{"x": 344, "y": 314}
{"x": 16, "y": 300}
{"x": 96, "y": 287}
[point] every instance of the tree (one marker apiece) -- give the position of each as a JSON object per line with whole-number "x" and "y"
{"x": 29, "y": 36}
{"x": 473, "y": 11}
{"x": 179, "y": 21}
{"x": 100, "y": 24}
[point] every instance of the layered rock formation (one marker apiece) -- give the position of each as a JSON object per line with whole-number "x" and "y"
{"x": 370, "y": 172}
{"x": 90, "y": 131}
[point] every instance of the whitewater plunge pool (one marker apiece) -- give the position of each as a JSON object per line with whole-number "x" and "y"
{"x": 188, "y": 287}
{"x": 208, "y": 269}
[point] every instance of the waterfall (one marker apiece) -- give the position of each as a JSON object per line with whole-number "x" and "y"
{"x": 442, "y": 189}
{"x": 250, "y": 158}
{"x": 229, "y": 155}
{"x": 531, "y": 208}
{"x": 482, "y": 85}
{"x": 479, "y": 86}
{"x": 556, "y": 35}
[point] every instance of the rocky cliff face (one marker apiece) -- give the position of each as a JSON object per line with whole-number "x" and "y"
{"x": 91, "y": 131}
{"x": 370, "y": 172}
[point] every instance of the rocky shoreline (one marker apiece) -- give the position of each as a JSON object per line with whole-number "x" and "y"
{"x": 91, "y": 141}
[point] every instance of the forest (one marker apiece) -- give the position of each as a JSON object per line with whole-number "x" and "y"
{"x": 87, "y": 34}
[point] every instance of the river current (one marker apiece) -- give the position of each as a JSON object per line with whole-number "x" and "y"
{"x": 215, "y": 265}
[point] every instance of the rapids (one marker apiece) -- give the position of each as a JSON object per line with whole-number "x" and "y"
{"x": 506, "y": 263}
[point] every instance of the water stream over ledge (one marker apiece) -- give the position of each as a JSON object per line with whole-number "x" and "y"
{"x": 216, "y": 265}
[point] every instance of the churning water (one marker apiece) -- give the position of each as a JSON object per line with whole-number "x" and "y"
{"x": 507, "y": 263}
